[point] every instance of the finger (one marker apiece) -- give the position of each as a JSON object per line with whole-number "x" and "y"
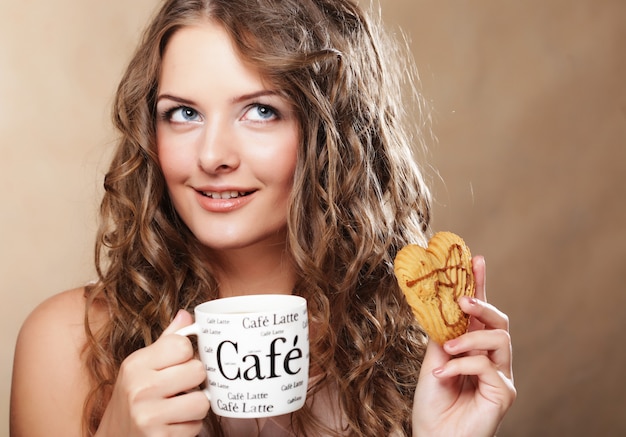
{"x": 474, "y": 365}
{"x": 495, "y": 342}
{"x": 493, "y": 383}
{"x": 167, "y": 351}
{"x": 182, "y": 319}
{"x": 485, "y": 313}
{"x": 188, "y": 407}
{"x": 479, "y": 268}
{"x": 181, "y": 378}
{"x": 435, "y": 357}
{"x": 170, "y": 350}
{"x": 187, "y": 428}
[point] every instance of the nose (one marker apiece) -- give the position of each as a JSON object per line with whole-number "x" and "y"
{"x": 218, "y": 151}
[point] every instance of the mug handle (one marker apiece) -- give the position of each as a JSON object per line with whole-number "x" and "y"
{"x": 193, "y": 329}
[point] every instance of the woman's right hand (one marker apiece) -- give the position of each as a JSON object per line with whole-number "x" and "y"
{"x": 155, "y": 391}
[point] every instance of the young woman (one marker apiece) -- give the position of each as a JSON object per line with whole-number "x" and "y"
{"x": 261, "y": 150}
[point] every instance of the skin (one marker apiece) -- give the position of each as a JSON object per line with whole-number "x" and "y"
{"x": 47, "y": 369}
{"x": 221, "y": 129}
{"x": 229, "y": 141}
{"x": 142, "y": 404}
{"x": 466, "y": 385}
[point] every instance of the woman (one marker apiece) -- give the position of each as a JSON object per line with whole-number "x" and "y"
{"x": 261, "y": 150}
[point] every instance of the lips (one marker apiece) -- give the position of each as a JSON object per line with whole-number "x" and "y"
{"x": 224, "y": 200}
{"x": 224, "y": 194}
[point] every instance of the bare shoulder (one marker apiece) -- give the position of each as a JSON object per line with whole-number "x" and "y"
{"x": 59, "y": 320}
{"x": 67, "y": 303}
{"x": 49, "y": 379}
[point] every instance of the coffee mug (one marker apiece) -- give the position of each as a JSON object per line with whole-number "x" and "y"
{"x": 255, "y": 350}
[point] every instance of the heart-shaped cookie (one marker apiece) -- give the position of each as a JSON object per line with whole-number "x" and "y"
{"x": 433, "y": 279}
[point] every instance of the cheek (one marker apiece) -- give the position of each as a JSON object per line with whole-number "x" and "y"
{"x": 272, "y": 158}
{"x": 285, "y": 167}
{"x": 171, "y": 160}
{"x": 286, "y": 160}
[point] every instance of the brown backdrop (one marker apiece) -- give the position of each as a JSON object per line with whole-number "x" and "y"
{"x": 528, "y": 105}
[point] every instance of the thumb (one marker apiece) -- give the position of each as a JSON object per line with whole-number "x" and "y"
{"x": 480, "y": 275}
{"x": 435, "y": 357}
{"x": 182, "y": 319}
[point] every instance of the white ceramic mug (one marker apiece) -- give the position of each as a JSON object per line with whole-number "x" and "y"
{"x": 256, "y": 353}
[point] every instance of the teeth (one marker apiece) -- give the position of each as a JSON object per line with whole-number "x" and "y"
{"x": 223, "y": 194}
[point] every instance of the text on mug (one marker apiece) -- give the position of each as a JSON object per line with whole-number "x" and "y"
{"x": 265, "y": 321}
{"x": 254, "y": 361}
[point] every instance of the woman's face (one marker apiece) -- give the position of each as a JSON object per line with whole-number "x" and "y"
{"x": 227, "y": 142}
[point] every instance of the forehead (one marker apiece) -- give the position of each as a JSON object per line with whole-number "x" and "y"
{"x": 205, "y": 53}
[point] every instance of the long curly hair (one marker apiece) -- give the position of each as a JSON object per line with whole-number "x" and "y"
{"x": 358, "y": 197}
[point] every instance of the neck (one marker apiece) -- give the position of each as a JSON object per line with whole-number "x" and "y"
{"x": 266, "y": 270}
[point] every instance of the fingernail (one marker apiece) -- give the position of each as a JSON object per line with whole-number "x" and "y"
{"x": 177, "y": 316}
{"x": 450, "y": 346}
{"x": 438, "y": 371}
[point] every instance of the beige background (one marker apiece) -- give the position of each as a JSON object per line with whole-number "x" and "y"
{"x": 529, "y": 107}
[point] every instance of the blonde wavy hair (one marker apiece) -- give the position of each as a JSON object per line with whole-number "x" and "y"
{"x": 358, "y": 197}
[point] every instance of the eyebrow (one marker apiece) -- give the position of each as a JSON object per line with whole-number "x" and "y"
{"x": 238, "y": 99}
{"x": 175, "y": 99}
{"x": 254, "y": 95}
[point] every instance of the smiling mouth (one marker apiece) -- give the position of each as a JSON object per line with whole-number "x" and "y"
{"x": 225, "y": 194}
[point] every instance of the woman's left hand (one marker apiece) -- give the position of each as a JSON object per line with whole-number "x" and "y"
{"x": 466, "y": 386}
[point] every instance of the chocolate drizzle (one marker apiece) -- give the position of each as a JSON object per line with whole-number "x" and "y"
{"x": 452, "y": 276}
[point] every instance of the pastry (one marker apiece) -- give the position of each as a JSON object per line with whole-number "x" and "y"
{"x": 433, "y": 279}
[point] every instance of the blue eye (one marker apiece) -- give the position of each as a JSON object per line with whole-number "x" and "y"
{"x": 258, "y": 112}
{"x": 182, "y": 114}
